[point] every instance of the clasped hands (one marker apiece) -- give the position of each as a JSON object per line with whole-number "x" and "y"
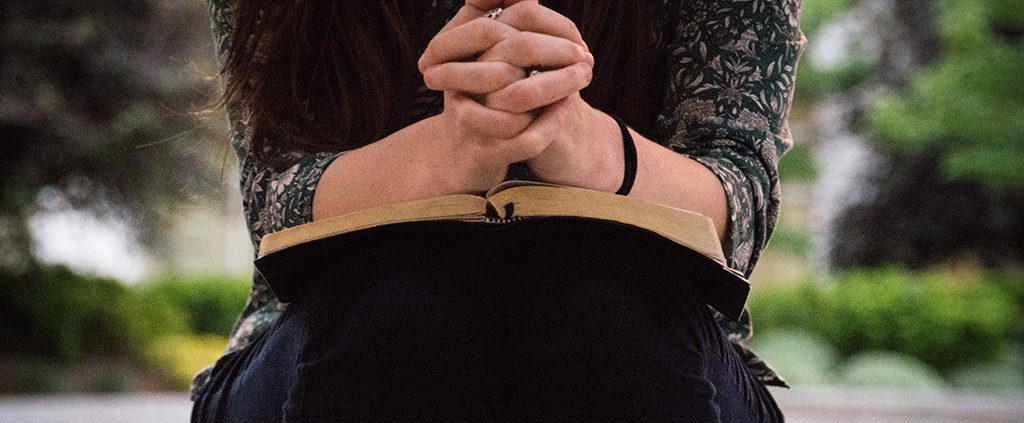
{"x": 496, "y": 113}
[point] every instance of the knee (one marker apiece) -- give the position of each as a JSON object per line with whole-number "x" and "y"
{"x": 401, "y": 312}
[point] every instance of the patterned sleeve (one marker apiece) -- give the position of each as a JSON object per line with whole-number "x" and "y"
{"x": 273, "y": 200}
{"x": 732, "y": 69}
{"x": 278, "y": 200}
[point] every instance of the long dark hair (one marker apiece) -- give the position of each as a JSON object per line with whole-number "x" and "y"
{"x": 327, "y": 75}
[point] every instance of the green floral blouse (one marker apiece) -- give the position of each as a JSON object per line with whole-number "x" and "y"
{"x": 733, "y": 64}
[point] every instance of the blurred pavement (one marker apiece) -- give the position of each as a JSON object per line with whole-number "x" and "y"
{"x": 133, "y": 408}
{"x": 849, "y": 404}
{"x": 806, "y": 404}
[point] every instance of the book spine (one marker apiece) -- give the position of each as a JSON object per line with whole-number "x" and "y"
{"x": 493, "y": 215}
{"x": 502, "y": 220}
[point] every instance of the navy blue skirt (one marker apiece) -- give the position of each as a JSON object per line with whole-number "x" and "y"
{"x": 492, "y": 326}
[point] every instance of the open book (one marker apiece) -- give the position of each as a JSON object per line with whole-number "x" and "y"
{"x": 291, "y": 255}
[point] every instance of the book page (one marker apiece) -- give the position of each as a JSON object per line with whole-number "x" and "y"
{"x": 450, "y": 207}
{"x": 683, "y": 227}
{"x": 518, "y": 183}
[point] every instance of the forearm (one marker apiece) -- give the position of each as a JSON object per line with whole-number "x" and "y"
{"x": 669, "y": 178}
{"x": 663, "y": 176}
{"x": 388, "y": 171}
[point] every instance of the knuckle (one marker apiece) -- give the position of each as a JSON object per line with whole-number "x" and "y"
{"x": 488, "y": 101}
{"x": 573, "y": 50}
{"x": 505, "y": 131}
{"x": 588, "y": 75}
{"x": 511, "y": 132}
{"x": 510, "y": 73}
{"x": 496, "y": 101}
{"x": 530, "y": 144}
{"x": 429, "y": 55}
{"x": 432, "y": 77}
{"x": 580, "y": 74}
{"x": 525, "y": 121}
{"x": 519, "y": 98}
{"x": 534, "y": 145}
{"x": 489, "y": 30}
{"x": 530, "y": 11}
{"x": 574, "y": 72}
{"x": 518, "y": 124}
{"x": 525, "y": 45}
{"x": 477, "y": 28}
{"x": 423, "y": 61}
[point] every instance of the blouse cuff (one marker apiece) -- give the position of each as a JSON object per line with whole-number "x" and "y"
{"x": 289, "y": 195}
{"x": 744, "y": 156}
{"x": 741, "y": 244}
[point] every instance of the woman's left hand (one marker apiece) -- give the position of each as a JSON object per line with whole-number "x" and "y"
{"x": 586, "y": 144}
{"x": 586, "y": 147}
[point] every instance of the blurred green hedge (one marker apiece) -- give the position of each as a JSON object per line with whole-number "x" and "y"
{"x": 178, "y": 357}
{"x": 56, "y": 314}
{"x": 944, "y": 318}
{"x": 52, "y": 312}
{"x": 209, "y": 305}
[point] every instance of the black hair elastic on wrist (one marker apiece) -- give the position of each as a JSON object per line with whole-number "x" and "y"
{"x": 629, "y": 150}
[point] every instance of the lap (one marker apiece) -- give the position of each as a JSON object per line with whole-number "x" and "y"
{"x": 577, "y": 335}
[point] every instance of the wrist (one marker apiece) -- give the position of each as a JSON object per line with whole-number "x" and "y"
{"x": 608, "y": 165}
{"x": 588, "y": 156}
{"x": 453, "y": 167}
{"x": 439, "y": 170}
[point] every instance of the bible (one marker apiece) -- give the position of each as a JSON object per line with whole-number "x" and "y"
{"x": 289, "y": 258}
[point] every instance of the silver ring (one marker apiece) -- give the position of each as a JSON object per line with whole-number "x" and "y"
{"x": 494, "y": 13}
{"x": 532, "y": 72}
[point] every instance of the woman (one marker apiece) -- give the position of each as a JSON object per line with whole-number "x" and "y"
{"x": 340, "y": 106}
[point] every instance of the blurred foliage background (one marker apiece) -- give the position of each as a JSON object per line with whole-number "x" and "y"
{"x": 897, "y": 261}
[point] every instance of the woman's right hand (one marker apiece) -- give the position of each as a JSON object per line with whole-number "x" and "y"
{"x": 481, "y": 142}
